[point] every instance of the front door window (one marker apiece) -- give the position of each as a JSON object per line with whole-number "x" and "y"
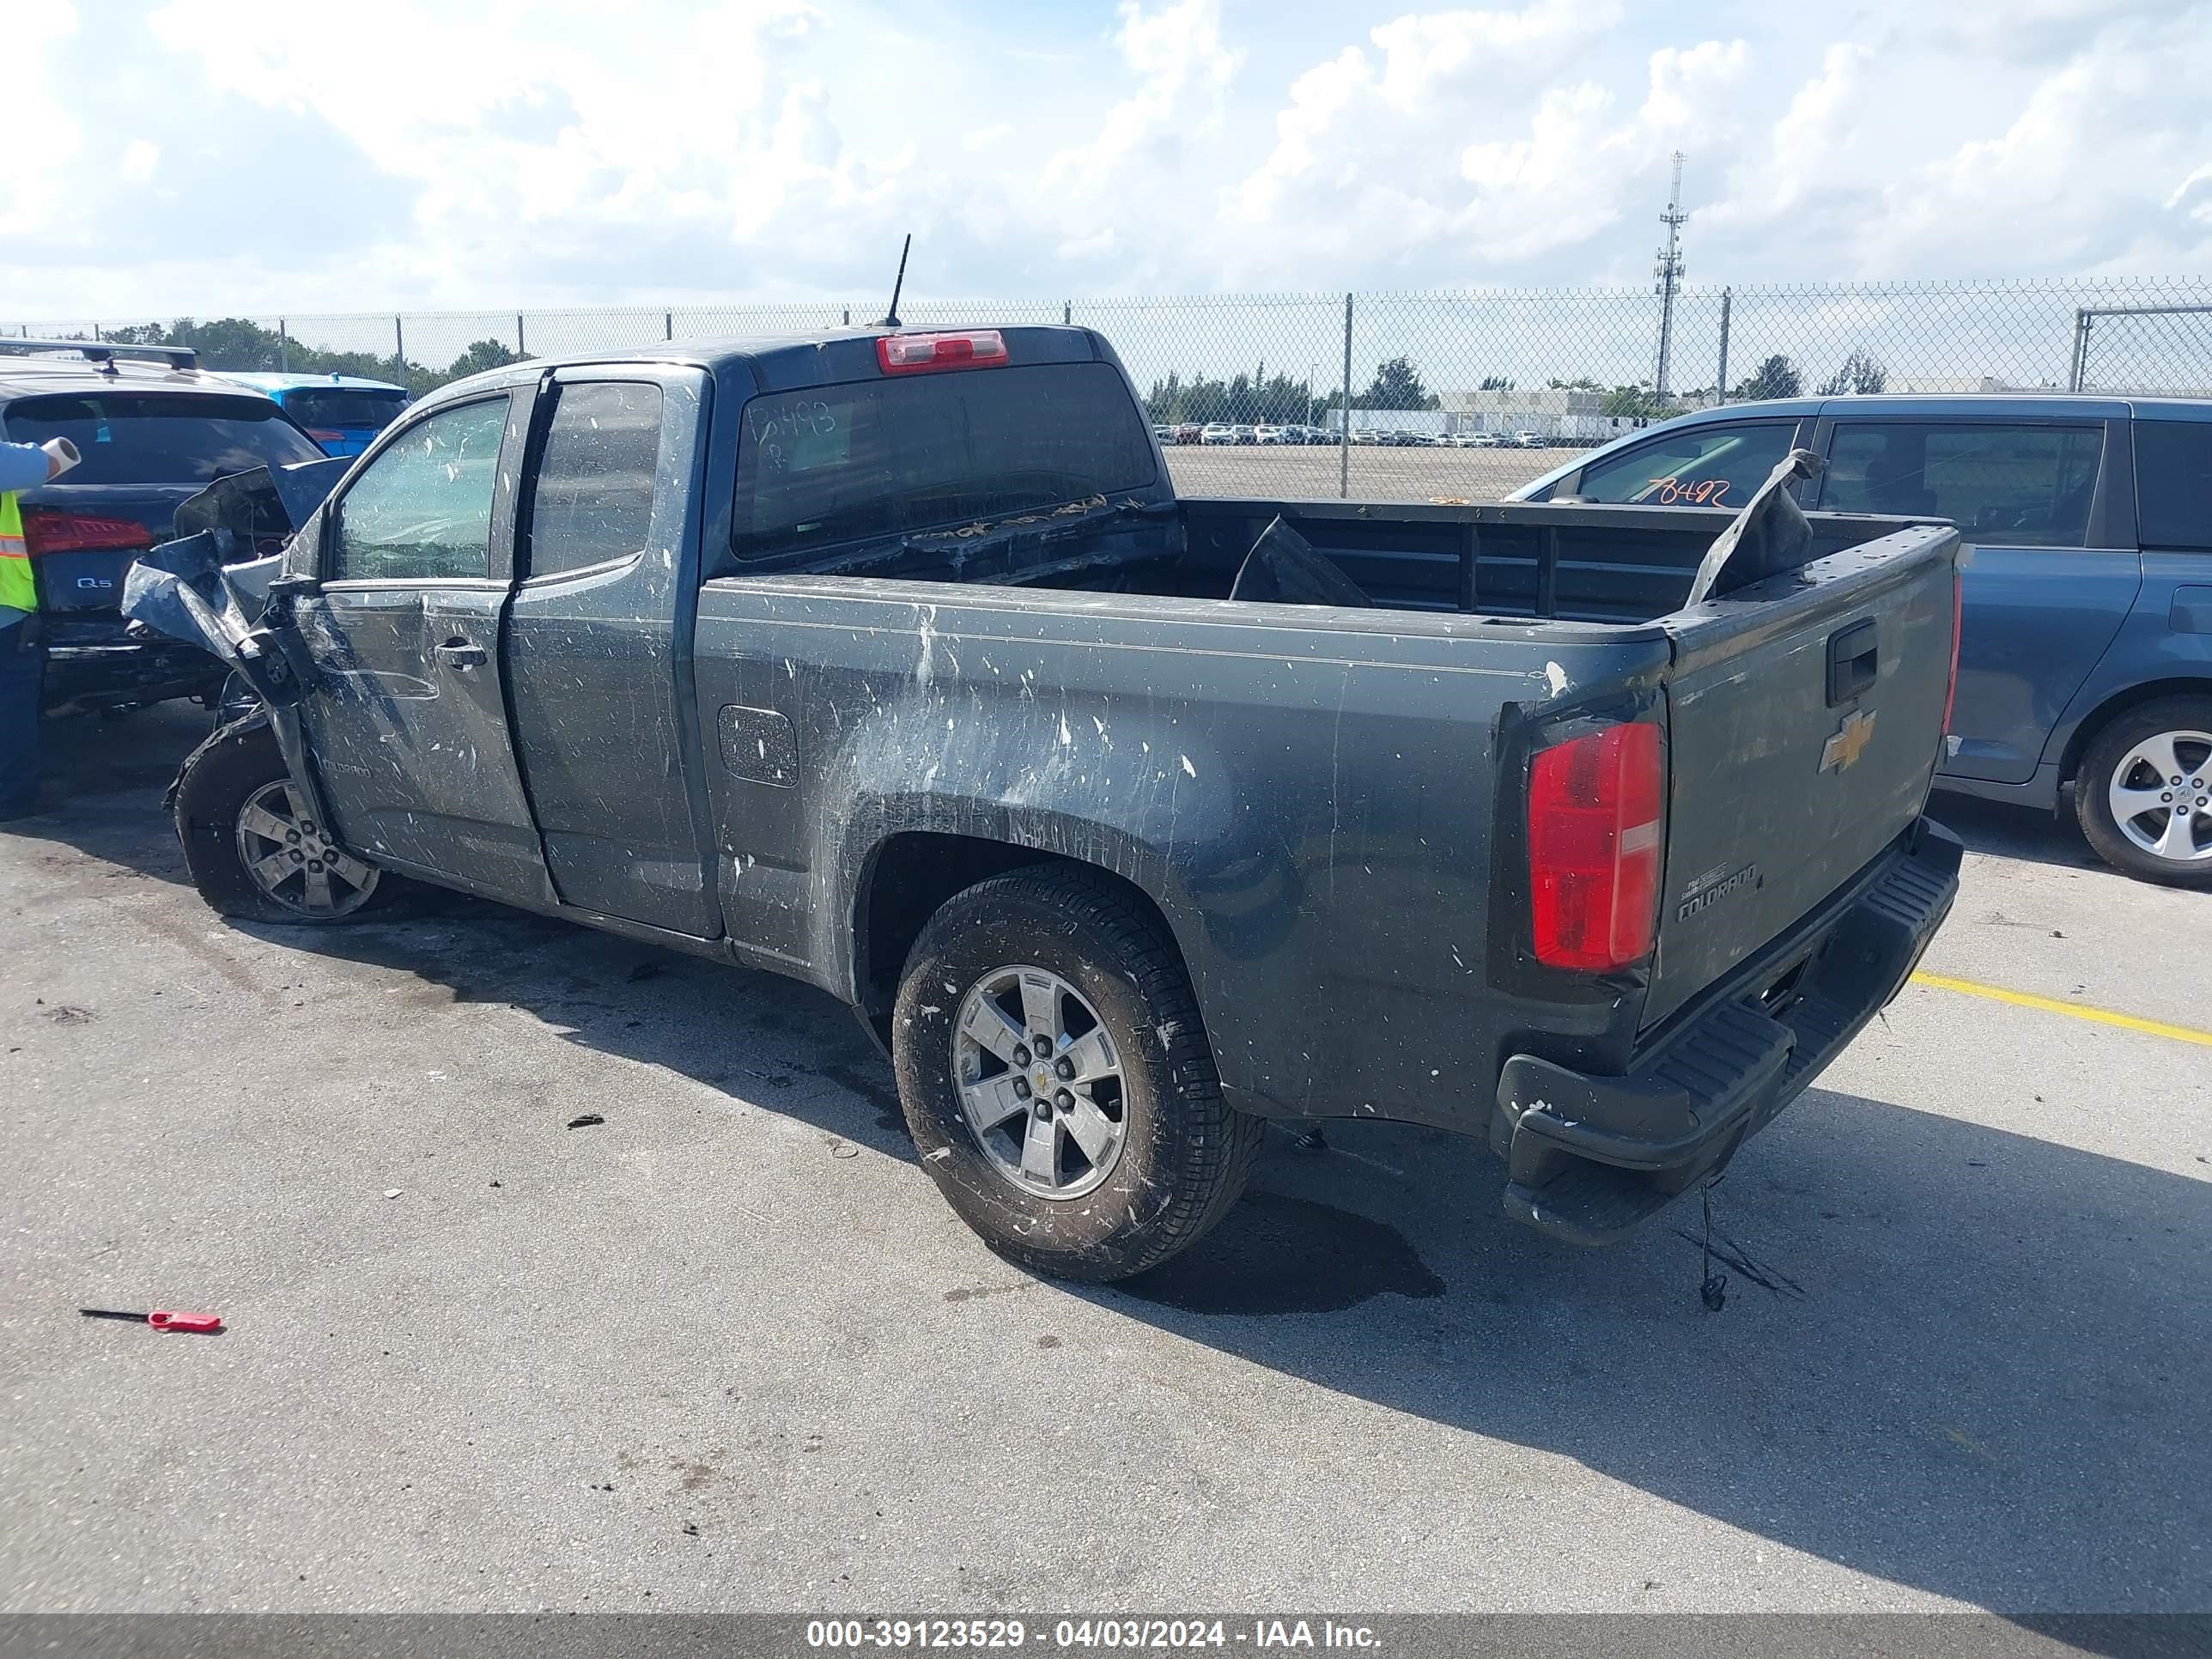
{"x": 423, "y": 510}
{"x": 1716, "y": 465}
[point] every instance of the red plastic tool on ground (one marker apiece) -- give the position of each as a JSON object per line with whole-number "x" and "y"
{"x": 161, "y": 1319}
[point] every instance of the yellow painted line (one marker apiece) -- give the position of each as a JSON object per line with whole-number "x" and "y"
{"x": 2053, "y": 1006}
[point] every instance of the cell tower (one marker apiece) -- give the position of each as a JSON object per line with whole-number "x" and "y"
{"x": 1669, "y": 273}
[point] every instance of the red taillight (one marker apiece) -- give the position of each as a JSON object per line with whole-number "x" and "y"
{"x": 1958, "y": 622}
{"x": 918, "y": 353}
{"x": 49, "y": 529}
{"x": 1595, "y": 834}
{"x": 323, "y": 434}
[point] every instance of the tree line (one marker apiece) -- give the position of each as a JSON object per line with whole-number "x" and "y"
{"x": 235, "y": 345}
{"x": 1260, "y": 398}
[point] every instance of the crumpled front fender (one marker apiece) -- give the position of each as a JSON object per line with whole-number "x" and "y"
{"x": 209, "y": 588}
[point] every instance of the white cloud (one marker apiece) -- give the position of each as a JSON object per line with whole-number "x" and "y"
{"x": 1371, "y": 158}
{"x": 257, "y": 154}
{"x": 32, "y": 185}
{"x": 2079, "y": 161}
{"x": 1140, "y": 161}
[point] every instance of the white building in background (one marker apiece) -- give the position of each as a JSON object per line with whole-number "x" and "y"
{"x": 1429, "y": 422}
{"x": 1954, "y": 385}
{"x": 1560, "y": 412}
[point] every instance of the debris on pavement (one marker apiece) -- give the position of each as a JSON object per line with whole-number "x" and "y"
{"x": 645, "y": 970}
{"x": 162, "y": 1319}
{"x": 393, "y": 1191}
{"x": 584, "y": 1121}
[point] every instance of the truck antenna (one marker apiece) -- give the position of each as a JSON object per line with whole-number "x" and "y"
{"x": 892, "y": 317}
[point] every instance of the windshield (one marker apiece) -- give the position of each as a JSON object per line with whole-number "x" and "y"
{"x": 344, "y": 407}
{"x": 162, "y": 438}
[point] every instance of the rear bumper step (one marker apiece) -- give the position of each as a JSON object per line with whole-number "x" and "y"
{"x": 1592, "y": 1158}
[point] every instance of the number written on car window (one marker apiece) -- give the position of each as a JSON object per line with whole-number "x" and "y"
{"x": 1706, "y": 465}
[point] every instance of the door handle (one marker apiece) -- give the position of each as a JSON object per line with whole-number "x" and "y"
{"x": 458, "y": 652}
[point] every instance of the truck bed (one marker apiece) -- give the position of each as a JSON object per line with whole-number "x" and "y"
{"x": 1301, "y": 785}
{"x": 1594, "y": 564}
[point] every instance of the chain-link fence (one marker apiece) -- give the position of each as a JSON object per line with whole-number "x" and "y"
{"x": 1451, "y": 394}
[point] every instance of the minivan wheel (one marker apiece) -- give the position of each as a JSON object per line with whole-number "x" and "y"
{"x": 1058, "y": 1081}
{"x": 252, "y": 849}
{"x": 2144, "y": 793}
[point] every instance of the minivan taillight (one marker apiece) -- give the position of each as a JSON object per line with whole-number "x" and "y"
{"x": 50, "y": 530}
{"x": 1595, "y": 808}
{"x": 1958, "y": 622}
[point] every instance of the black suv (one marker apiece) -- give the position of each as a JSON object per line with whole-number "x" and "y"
{"x": 153, "y": 430}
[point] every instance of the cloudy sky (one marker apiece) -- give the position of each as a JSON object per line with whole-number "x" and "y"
{"x": 213, "y": 155}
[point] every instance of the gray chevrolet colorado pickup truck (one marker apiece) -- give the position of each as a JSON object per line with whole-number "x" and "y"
{"x": 888, "y": 660}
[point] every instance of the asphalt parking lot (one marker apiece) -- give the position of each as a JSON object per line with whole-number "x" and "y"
{"x": 728, "y": 1349}
{"x": 1376, "y": 473}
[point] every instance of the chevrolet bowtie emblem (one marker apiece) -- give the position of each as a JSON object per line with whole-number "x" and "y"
{"x": 1848, "y": 743}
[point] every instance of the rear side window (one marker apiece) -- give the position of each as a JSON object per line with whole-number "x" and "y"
{"x": 1697, "y": 466}
{"x": 163, "y": 438}
{"x": 2173, "y": 483}
{"x": 344, "y": 406}
{"x": 877, "y": 458}
{"x": 2024, "y": 484}
{"x": 592, "y": 500}
{"x": 423, "y": 510}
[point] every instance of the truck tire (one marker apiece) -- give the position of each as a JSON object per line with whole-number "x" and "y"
{"x": 2157, "y": 761}
{"x": 1113, "y": 1151}
{"x": 249, "y": 845}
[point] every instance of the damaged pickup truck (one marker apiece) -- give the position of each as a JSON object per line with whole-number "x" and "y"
{"x": 888, "y": 660}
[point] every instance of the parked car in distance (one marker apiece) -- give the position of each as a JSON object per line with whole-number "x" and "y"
{"x": 340, "y": 412}
{"x": 1188, "y": 432}
{"x": 1270, "y": 435}
{"x": 1044, "y": 779}
{"x": 2085, "y": 666}
{"x": 152, "y": 430}
{"x": 1528, "y": 439}
{"x": 1488, "y": 440}
{"x": 1246, "y": 434}
{"x": 1217, "y": 433}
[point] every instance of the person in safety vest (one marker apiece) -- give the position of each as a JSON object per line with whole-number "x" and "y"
{"x": 22, "y": 659}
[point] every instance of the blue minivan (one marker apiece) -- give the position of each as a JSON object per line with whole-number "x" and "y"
{"x": 2085, "y": 657}
{"x": 341, "y": 412}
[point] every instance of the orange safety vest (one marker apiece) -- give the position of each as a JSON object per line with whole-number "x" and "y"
{"x": 18, "y": 591}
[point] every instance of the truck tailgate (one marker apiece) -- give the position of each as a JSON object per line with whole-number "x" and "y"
{"x": 1805, "y": 716}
